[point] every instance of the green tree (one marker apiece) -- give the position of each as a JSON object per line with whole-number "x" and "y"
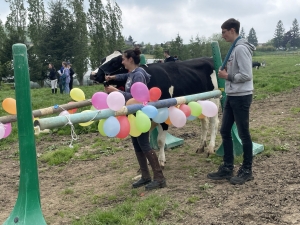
{"x": 252, "y": 37}
{"x": 16, "y": 27}
{"x": 16, "y": 21}
{"x": 113, "y": 27}
{"x": 80, "y": 44}
{"x": 3, "y": 40}
{"x": 196, "y": 47}
{"x": 242, "y": 33}
{"x": 158, "y": 52}
{"x": 59, "y": 35}
{"x": 178, "y": 48}
{"x": 278, "y": 35}
{"x": 36, "y": 29}
{"x": 96, "y": 22}
{"x": 295, "y": 41}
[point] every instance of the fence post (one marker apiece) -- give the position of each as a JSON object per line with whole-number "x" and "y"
{"x": 27, "y": 210}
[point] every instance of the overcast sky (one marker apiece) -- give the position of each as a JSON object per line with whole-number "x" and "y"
{"x": 157, "y": 21}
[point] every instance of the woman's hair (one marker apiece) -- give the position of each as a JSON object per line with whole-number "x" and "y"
{"x": 65, "y": 64}
{"x": 231, "y": 23}
{"x": 52, "y": 66}
{"x": 134, "y": 54}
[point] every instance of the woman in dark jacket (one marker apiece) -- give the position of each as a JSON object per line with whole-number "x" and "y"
{"x": 53, "y": 78}
{"x": 141, "y": 144}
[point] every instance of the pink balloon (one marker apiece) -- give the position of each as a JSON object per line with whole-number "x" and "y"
{"x": 2, "y": 130}
{"x": 140, "y": 92}
{"x": 209, "y": 108}
{"x": 63, "y": 113}
{"x": 177, "y": 117}
{"x": 8, "y": 129}
{"x": 115, "y": 100}
{"x": 99, "y": 100}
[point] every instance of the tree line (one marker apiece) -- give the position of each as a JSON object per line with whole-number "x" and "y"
{"x": 65, "y": 32}
{"x": 200, "y": 46}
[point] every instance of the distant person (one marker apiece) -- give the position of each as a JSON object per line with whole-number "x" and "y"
{"x": 66, "y": 78}
{"x": 71, "y": 76}
{"x": 175, "y": 57}
{"x": 168, "y": 58}
{"x": 53, "y": 78}
{"x": 239, "y": 90}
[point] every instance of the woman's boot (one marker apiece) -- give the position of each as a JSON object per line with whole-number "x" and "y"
{"x": 159, "y": 181}
{"x": 146, "y": 178}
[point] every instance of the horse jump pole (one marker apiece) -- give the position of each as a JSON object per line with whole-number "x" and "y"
{"x": 27, "y": 210}
{"x": 59, "y": 121}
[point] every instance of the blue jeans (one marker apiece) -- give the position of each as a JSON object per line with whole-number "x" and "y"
{"x": 236, "y": 110}
{"x": 141, "y": 143}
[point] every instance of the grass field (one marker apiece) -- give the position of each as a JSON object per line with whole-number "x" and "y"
{"x": 280, "y": 75}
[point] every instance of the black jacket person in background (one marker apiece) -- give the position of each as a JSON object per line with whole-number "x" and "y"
{"x": 71, "y": 76}
{"x": 168, "y": 58}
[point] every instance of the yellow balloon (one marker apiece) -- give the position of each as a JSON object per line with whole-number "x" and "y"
{"x": 77, "y": 94}
{"x": 100, "y": 127}
{"x": 134, "y": 131}
{"x": 10, "y": 106}
{"x": 86, "y": 123}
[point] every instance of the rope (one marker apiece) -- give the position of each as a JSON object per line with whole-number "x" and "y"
{"x": 229, "y": 52}
{"x": 74, "y": 136}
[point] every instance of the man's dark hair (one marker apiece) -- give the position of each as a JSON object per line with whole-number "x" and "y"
{"x": 231, "y": 23}
{"x": 167, "y": 52}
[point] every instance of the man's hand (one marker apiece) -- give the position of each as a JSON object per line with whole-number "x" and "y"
{"x": 223, "y": 74}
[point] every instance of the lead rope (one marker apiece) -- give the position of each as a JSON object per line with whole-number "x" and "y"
{"x": 229, "y": 52}
{"x": 74, "y": 136}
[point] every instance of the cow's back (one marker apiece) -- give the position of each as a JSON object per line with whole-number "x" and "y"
{"x": 187, "y": 77}
{"x": 193, "y": 76}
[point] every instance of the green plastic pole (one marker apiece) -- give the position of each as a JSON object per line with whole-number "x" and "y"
{"x": 27, "y": 210}
{"x": 237, "y": 143}
{"x": 217, "y": 64}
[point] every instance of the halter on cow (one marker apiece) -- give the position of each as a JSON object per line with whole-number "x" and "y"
{"x": 183, "y": 78}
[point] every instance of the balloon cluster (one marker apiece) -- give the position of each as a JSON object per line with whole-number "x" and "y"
{"x": 134, "y": 125}
{"x": 9, "y": 105}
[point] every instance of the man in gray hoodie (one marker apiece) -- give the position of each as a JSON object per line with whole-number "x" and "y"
{"x": 239, "y": 89}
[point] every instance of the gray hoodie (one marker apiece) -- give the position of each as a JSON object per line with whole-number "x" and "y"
{"x": 137, "y": 75}
{"x": 239, "y": 69}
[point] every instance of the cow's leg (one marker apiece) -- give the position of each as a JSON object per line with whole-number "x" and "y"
{"x": 203, "y": 135}
{"x": 214, "y": 125}
{"x": 161, "y": 141}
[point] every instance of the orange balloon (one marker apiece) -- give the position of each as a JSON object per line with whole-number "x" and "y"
{"x": 72, "y": 111}
{"x": 132, "y": 101}
{"x": 168, "y": 121}
{"x": 9, "y": 105}
{"x": 201, "y": 116}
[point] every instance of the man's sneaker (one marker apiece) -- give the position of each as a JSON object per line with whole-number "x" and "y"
{"x": 243, "y": 175}
{"x": 223, "y": 173}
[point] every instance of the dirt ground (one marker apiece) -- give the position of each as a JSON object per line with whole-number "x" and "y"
{"x": 273, "y": 197}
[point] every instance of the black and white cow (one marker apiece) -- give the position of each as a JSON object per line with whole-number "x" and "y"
{"x": 258, "y": 64}
{"x": 174, "y": 79}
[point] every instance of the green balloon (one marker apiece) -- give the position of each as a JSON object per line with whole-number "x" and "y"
{"x": 143, "y": 122}
{"x": 196, "y": 108}
{"x": 100, "y": 127}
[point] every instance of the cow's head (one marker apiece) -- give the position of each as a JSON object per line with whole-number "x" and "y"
{"x": 111, "y": 65}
